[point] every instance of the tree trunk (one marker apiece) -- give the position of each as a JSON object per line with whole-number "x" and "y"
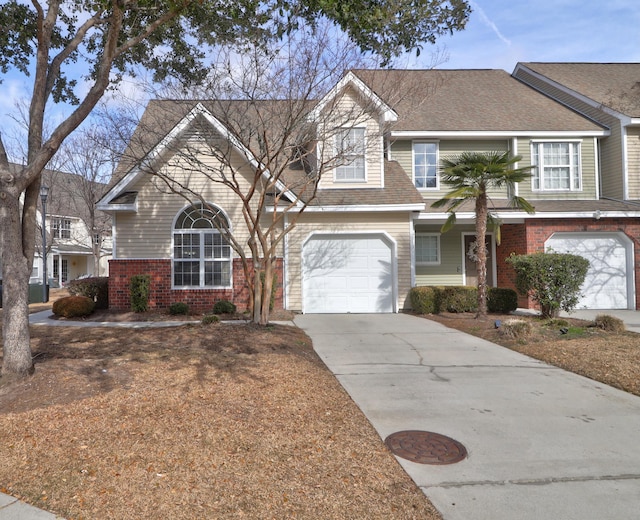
{"x": 481, "y": 253}
{"x": 16, "y": 270}
{"x": 257, "y": 294}
{"x": 266, "y": 293}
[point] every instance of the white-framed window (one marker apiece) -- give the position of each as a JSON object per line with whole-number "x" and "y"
{"x": 201, "y": 254}
{"x": 61, "y": 227}
{"x": 425, "y": 165}
{"x": 350, "y": 154}
{"x": 427, "y": 248}
{"x": 556, "y": 166}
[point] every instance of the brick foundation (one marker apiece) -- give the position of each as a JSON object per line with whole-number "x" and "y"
{"x": 162, "y": 295}
{"x": 530, "y": 237}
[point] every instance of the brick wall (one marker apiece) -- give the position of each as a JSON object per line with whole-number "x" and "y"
{"x": 530, "y": 238}
{"x": 162, "y": 295}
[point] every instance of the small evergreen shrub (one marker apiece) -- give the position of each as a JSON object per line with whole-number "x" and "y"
{"x": 553, "y": 280}
{"x": 501, "y": 300}
{"x": 424, "y": 300}
{"x": 609, "y": 323}
{"x": 210, "y": 319}
{"x": 139, "y": 288}
{"x": 73, "y": 306}
{"x": 516, "y": 329}
{"x": 224, "y": 307}
{"x": 178, "y": 308}
{"x": 96, "y": 288}
{"x": 459, "y": 299}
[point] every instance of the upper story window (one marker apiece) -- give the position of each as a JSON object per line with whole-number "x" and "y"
{"x": 61, "y": 227}
{"x": 350, "y": 148}
{"x": 201, "y": 255}
{"x": 425, "y": 165}
{"x": 427, "y": 248}
{"x": 556, "y": 166}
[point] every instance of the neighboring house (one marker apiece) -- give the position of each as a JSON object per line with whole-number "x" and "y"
{"x": 73, "y": 249}
{"x": 371, "y": 233}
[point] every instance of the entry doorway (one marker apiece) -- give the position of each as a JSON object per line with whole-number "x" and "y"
{"x": 470, "y": 267}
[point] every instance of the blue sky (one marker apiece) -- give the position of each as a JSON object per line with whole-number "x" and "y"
{"x": 502, "y": 32}
{"x": 499, "y": 34}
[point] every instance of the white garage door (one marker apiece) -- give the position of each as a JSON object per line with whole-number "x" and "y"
{"x": 347, "y": 273}
{"x": 608, "y": 282}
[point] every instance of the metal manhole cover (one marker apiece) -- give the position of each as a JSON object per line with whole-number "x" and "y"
{"x": 425, "y": 447}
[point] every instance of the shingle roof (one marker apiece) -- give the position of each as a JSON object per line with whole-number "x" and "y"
{"x": 469, "y": 100}
{"x": 614, "y": 85}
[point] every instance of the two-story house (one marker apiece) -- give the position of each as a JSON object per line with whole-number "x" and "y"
{"x": 371, "y": 234}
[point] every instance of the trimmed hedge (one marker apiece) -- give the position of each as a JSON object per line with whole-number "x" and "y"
{"x": 73, "y": 306}
{"x": 178, "y": 308}
{"x": 433, "y": 300}
{"x": 224, "y": 307}
{"x": 139, "y": 288}
{"x": 96, "y": 288}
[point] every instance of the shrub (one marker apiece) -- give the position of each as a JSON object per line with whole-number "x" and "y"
{"x": 458, "y": 298}
{"x": 73, "y": 306}
{"x": 553, "y": 280}
{"x": 139, "y": 287}
{"x": 424, "y": 300}
{"x": 516, "y": 329}
{"x": 224, "y": 307}
{"x": 209, "y": 319}
{"x": 96, "y": 288}
{"x": 501, "y": 300}
{"x": 178, "y": 308}
{"x": 609, "y": 323}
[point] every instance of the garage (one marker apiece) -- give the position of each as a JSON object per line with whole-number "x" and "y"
{"x": 344, "y": 273}
{"x": 609, "y": 281}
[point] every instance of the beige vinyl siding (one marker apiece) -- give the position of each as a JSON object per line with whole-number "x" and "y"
{"x": 396, "y": 225}
{"x": 611, "y": 150}
{"x": 633, "y": 159}
{"x": 148, "y": 233}
{"x": 450, "y": 270}
{"x": 402, "y": 151}
{"x": 588, "y": 170}
{"x": 349, "y": 112}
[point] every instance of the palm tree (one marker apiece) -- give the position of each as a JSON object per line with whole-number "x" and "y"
{"x": 471, "y": 175}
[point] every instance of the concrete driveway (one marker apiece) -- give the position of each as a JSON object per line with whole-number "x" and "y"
{"x": 543, "y": 443}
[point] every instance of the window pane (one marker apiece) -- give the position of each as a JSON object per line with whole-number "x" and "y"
{"x": 425, "y": 167}
{"x": 427, "y": 249}
{"x": 350, "y": 152}
{"x": 186, "y": 273}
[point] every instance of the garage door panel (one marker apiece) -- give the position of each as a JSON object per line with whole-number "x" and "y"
{"x": 347, "y": 274}
{"x": 606, "y": 284}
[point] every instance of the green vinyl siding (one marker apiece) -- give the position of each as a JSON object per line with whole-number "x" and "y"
{"x": 450, "y": 270}
{"x": 587, "y": 167}
{"x": 401, "y": 151}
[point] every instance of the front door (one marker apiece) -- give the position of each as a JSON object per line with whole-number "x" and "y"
{"x": 470, "y": 267}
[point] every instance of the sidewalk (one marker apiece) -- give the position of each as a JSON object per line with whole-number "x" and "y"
{"x": 542, "y": 442}
{"x": 12, "y": 509}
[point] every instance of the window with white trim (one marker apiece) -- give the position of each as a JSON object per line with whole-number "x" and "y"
{"x": 350, "y": 148}
{"x": 61, "y": 227}
{"x": 427, "y": 249}
{"x": 201, "y": 254}
{"x": 425, "y": 165}
{"x": 556, "y": 166}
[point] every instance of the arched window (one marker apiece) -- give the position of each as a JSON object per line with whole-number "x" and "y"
{"x": 201, "y": 254}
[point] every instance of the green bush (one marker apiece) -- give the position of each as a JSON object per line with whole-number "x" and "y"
{"x": 553, "y": 280}
{"x": 73, "y": 306}
{"x": 501, "y": 300}
{"x": 178, "y": 308}
{"x": 96, "y": 288}
{"x": 609, "y": 323}
{"x": 224, "y": 307}
{"x": 425, "y": 300}
{"x": 458, "y": 299}
{"x": 139, "y": 288}
{"x": 209, "y": 319}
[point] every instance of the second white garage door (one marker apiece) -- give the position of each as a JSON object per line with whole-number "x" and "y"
{"x": 348, "y": 273}
{"x": 608, "y": 284}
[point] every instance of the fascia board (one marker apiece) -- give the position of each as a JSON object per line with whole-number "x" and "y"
{"x": 372, "y": 208}
{"x": 388, "y": 114}
{"x": 520, "y": 216}
{"x": 488, "y": 134}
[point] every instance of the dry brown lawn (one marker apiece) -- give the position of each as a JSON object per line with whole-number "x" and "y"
{"x": 219, "y": 421}
{"x": 608, "y": 357}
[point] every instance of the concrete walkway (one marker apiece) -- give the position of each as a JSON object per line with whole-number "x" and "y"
{"x": 543, "y": 443}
